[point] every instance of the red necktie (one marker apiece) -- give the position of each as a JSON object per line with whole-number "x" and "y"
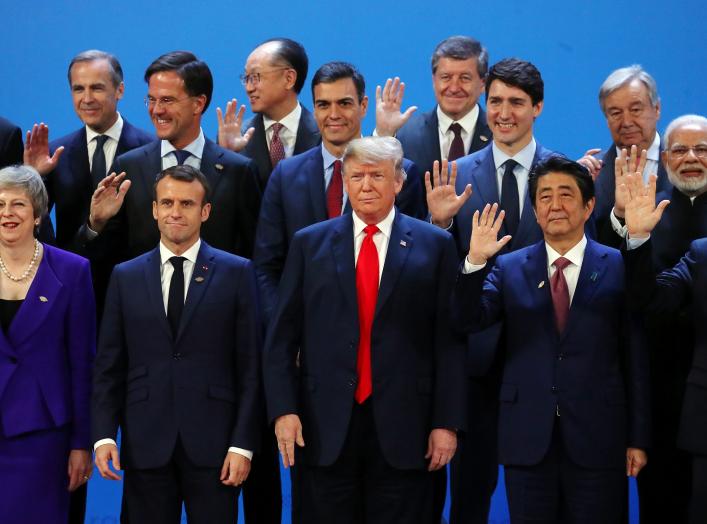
{"x": 367, "y": 293}
{"x": 277, "y": 149}
{"x": 456, "y": 149}
{"x": 335, "y": 192}
{"x": 560, "y": 293}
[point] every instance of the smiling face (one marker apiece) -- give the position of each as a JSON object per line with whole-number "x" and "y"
{"x": 94, "y": 95}
{"x": 338, "y": 113}
{"x": 175, "y": 114}
{"x": 510, "y": 114}
{"x": 273, "y": 94}
{"x": 457, "y": 86}
{"x": 559, "y": 208}
{"x": 371, "y": 188}
{"x": 685, "y": 158}
{"x": 17, "y": 220}
{"x": 631, "y": 117}
{"x": 179, "y": 211}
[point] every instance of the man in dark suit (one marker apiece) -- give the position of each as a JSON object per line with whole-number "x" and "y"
{"x": 364, "y": 308}
{"x": 574, "y": 416}
{"x": 308, "y": 188}
{"x": 275, "y": 73}
{"x": 11, "y": 146}
{"x": 457, "y": 125}
{"x": 514, "y": 99}
{"x": 179, "y": 91}
{"x": 73, "y": 165}
{"x": 177, "y": 367}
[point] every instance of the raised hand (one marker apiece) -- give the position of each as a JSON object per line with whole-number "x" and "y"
{"x": 592, "y": 163}
{"x": 389, "y": 100}
{"x": 36, "y": 152}
{"x": 107, "y": 200}
{"x": 442, "y": 200}
{"x": 642, "y": 213}
{"x": 625, "y": 165}
{"x": 229, "y": 128}
{"x": 484, "y": 242}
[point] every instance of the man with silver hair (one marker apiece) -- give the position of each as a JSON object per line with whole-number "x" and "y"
{"x": 664, "y": 485}
{"x": 379, "y": 392}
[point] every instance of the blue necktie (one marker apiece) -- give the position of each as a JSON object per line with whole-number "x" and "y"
{"x": 181, "y": 155}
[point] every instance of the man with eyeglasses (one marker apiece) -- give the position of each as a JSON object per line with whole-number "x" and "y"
{"x": 275, "y": 73}
{"x": 120, "y": 224}
{"x": 664, "y": 486}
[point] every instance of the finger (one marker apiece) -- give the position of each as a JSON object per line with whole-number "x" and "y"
{"x": 248, "y": 134}
{"x": 379, "y": 95}
{"x": 290, "y": 450}
{"x": 444, "y": 172}
{"x": 74, "y": 478}
{"x": 224, "y": 470}
{"x": 483, "y": 219}
{"x": 219, "y": 117}
{"x": 592, "y": 151}
{"x": 239, "y": 116}
{"x": 120, "y": 195}
{"x": 398, "y": 91}
{"x": 475, "y": 220}
{"x": 115, "y": 459}
{"x": 283, "y": 454}
{"x": 453, "y": 174}
{"x": 496, "y": 227}
{"x": 57, "y": 154}
{"x": 300, "y": 438}
{"x": 503, "y": 241}
{"x": 435, "y": 173}
{"x": 633, "y": 159}
{"x": 642, "y": 161}
{"x": 465, "y": 195}
{"x": 230, "y": 110}
{"x": 428, "y": 184}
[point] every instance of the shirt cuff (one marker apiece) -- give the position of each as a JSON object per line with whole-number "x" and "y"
{"x": 619, "y": 228}
{"x": 99, "y": 443}
{"x": 90, "y": 233}
{"x": 471, "y": 268}
{"x": 451, "y": 223}
{"x": 243, "y": 452}
{"x": 635, "y": 243}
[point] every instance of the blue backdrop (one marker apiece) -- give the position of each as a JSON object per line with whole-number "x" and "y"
{"x": 574, "y": 46}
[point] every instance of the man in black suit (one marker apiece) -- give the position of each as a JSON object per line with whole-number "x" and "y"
{"x": 10, "y": 143}
{"x": 275, "y": 73}
{"x": 179, "y": 91}
{"x": 178, "y": 367}
{"x": 73, "y": 165}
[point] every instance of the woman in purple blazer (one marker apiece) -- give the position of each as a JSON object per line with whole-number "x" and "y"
{"x": 47, "y": 344}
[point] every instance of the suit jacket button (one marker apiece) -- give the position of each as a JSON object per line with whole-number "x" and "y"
{"x": 352, "y": 382}
{"x": 560, "y": 356}
{"x": 177, "y": 356}
{"x": 554, "y": 389}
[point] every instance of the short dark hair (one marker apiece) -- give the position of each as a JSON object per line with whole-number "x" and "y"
{"x": 116, "y": 72}
{"x": 292, "y": 54}
{"x": 518, "y": 73}
{"x": 185, "y": 173}
{"x": 560, "y": 164}
{"x": 462, "y": 48}
{"x": 333, "y": 71}
{"x": 195, "y": 73}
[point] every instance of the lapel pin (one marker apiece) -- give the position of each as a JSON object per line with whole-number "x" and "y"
{"x": 541, "y": 284}
{"x": 219, "y": 167}
{"x": 42, "y": 298}
{"x": 593, "y": 277}
{"x": 205, "y": 268}
{"x": 483, "y": 138}
{"x": 199, "y": 279}
{"x": 403, "y": 243}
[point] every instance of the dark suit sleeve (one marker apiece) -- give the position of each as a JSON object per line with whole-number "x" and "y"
{"x": 637, "y": 380}
{"x": 477, "y": 302}
{"x": 411, "y": 199}
{"x": 249, "y": 203}
{"x": 81, "y": 345}
{"x": 109, "y": 374}
{"x": 283, "y": 340}
{"x": 12, "y": 148}
{"x": 270, "y": 244}
{"x": 246, "y": 432}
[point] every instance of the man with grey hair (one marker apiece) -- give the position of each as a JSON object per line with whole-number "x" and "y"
{"x": 664, "y": 485}
{"x": 73, "y": 165}
{"x": 379, "y": 392}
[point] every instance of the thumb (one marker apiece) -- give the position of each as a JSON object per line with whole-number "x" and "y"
{"x": 300, "y": 438}
{"x": 249, "y": 133}
{"x": 123, "y": 189}
{"x": 661, "y": 207}
{"x": 115, "y": 458}
{"x": 407, "y": 114}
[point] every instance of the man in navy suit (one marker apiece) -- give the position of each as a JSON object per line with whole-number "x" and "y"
{"x": 275, "y": 73}
{"x": 514, "y": 99}
{"x": 574, "y": 418}
{"x": 308, "y": 188}
{"x": 378, "y": 396}
{"x": 179, "y": 91}
{"x": 11, "y": 147}
{"x": 178, "y": 367}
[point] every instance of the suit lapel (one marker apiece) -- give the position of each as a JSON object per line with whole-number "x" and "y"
{"x": 482, "y": 134}
{"x": 314, "y": 170}
{"x": 431, "y": 138}
{"x": 307, "y": 132}
{"x": 342, "y": 246}
{"x": 528, "y": 223}
{"x": 211, "y": 164}
{"x": 79, "y": 167}
{"x": 590, "y": 276}
{"x": 201, "y": 278}
{"x": 399, "y": 247}
{"x": 535, "y": 272}
{"x": 153, "y": 284}
{"x": 257, "y": 149}
{"x": 484, "y": 181}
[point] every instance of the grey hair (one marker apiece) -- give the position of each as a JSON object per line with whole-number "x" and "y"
{"x": 27, "y": 179}
{"x": 684, "y": 120}
{"x": 462, "y": 48}
{"x": 374, "y": 149}
{"x": 116, "y": 71}
{"x": 624, "y": 76}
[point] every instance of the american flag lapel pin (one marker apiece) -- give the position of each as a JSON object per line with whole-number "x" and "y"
{"x": 403, "y": 243}
{"x": 219, "y": 167}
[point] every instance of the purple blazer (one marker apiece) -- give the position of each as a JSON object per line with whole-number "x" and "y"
{"x": 46, "y": 357}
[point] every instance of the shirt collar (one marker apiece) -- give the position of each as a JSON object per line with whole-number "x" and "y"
{"x": 113, "y": 131}
{"x": 196, "y": 148}
{"x": 574, "y": 255}
{"x": 468, "y": 121}
{"x": 653, "y": 152}
{"x": 290, "y": 121}
{"x": 329, "y": 159}
{"x": 524, "y": 157}
{"x": 190, "y": 254}
{"x": 385, "y": 225}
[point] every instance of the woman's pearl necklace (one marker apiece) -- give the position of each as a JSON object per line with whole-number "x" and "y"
{"x": 24, "y": 275}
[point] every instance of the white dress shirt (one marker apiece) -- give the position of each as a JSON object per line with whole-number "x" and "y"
{"x": 109, "y": 147}
{"x": 468, "y": 123}
{"x": 524, "y": 157}
{"x": 380, "y": 238}
{"x": 288, "y": 133}
{"x": 196, "y": 148}
{"x": 166, "y": 272}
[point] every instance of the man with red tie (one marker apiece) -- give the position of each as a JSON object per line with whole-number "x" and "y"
{"x": 378, "y": 396}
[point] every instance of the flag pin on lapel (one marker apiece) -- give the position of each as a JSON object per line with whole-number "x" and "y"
{"x": 42, "y": 298}
{"x": 483, "y": 138}
{"x": 403, "y": 243}
{"x": 219, "y": 167}
{"x": 593, "y": 277}
{"x": 541, "y": 284}
{"x": 199, "y": 279}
